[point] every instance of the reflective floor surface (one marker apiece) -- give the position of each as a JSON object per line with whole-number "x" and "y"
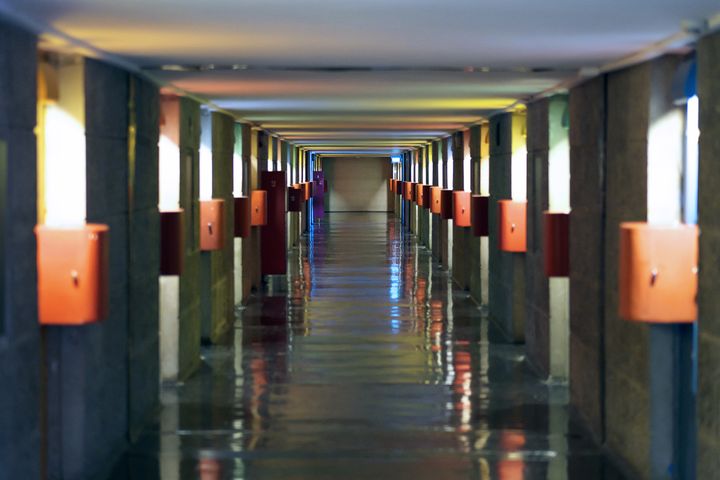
{"x": 369, "y": 365}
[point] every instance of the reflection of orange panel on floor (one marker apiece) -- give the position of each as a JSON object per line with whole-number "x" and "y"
{"x": 446, "y": 204}
{"x": 427, "y": 196}
{"x": 419, "y": 194}
{"x": 658, "y": 273}
{"x": 212, "y": 224}
{"x": 436, "y": 200}
{"x": 242, "y": 217}
{"x": 295, "y": 199}
{"x": 73, "y": 268}
{"x": 172, "y": 244}
{"x": 512, "y": 216}
{"x": 258, "y": 214}
{"x": 461, "y": 209}
{"x": 556, "y": 245}
{"x": 479, "y": 212}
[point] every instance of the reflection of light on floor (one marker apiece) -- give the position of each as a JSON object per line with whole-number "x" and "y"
{"x": 394, "y": 290}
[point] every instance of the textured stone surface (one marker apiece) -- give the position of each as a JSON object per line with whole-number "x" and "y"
{"x": 587, "y": 197}
{"x": 708, "y": 59}
{"x": 20, "y": 358}
{"x": 537, "y": 317}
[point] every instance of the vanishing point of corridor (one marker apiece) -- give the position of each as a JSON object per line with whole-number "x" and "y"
{"x": 366, "y": 364}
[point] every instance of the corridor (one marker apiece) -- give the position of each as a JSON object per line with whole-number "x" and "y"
{"x": 368, "y": 365}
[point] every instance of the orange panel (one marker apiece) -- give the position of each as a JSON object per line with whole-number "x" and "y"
{"x": 436, "y": 200}
{"x": 446, "y": 204}
{"x": 258, "y": 214}
{"x": 512, "y": 218}
{"x": 658, "y": 273}
{"x": 307, "y": 186}
{"x": 172, "y": 244}
{"x": 73, "y": 266}
{"x": 419, "y": 194}
{"x": 557, "y": 238}
{"x": 212, "y": 224}
{"x": 461, "y": 209}
{"x": 392, "y": 185}
{"x": 409, "y": 190}
{"x": 242, "y": 217}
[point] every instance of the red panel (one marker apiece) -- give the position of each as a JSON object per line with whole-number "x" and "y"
{"x": 273, "y": 236}
{"x": 172, "y": 242}
{"x": 243, "y": 217}
{"x": 557, "y": 238}
{"x": 461, "y": 209}
{"x": 436, "y": 200}
{"x": 409, "y": 191}
{"x": 480, "y": 215}
{"x": 658, "y": 273}
{"x": 513, "y": 220}
{"x": 295, "y": 199}
{"x": 73, "y": 267}
{"x": 446, "y": 204}
{"x": 258, "y": 208}
{"x": 427, "y": 196}
{"x": 212, "y": 224}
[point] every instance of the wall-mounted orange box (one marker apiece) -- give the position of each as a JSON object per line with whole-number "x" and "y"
{"x": 512, "y": 217}
{"x": 307, "y": 186}
{"x": 258, "y": 208}
{"x": 427, "y": 196}
{"x": 446, "y": 204}
{"x": 73, "y": 272}
{"x": 212, "y": 224}
{"x": 295, "y": 199}
{"x": 419, "y": 194}
{"x": 172, "y": 242}
{"x": 436, "y": 199}
{"x": 409, "y": 191}
{"x": 461, "y": 209}
{"x": 557, "y": 244}
{"x": 391, "y": 182}
{"x": 242, "y": 217}
{"x": 480, "y": 213}
{"x": 658, "y": 273}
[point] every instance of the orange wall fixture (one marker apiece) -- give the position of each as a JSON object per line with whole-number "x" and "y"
{"x": 512, "y": 216}
{"x": 420, "y": 194}
{"x": 409, "y": 190}
{"x": 242, "y": 217}
{"x": 212, "y": 224}
{"x": 461, "y": 209}
{"x": 446, "y": 204}
{"x": 73, "y": 267}
{"x": 480, "y": 213}
{"x": 557, "y": 238}
{"x": 658, "y": 273}
{"x": 436, "y": 200}
{"x": 258, "y": 215}
{"x": 172, "y": 244}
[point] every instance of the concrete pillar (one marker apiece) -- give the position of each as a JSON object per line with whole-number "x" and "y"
{"x": 461, "y": 235}
{"x": 474, "y": 244}
{"x": 434, "y": 218}
{"x": 20, "y": 436}
{"x": 446, "y": 231}
{"x": 708, "y": 58}
{"x": 507, "y": 270}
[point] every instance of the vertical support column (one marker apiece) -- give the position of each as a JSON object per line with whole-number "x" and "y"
{"x": 474, "y": 243}
{"x": 507, "y": 270}
{"x": 461, "y": 236}
{"x": 708, "y": 71}
{"x": 434, "y": 218}
{"x": 446, "y": 233}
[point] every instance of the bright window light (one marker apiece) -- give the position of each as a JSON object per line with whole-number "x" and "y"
{"x": 664, "y": 169}
{"x": 559, "y": 176}
{"x": 518, "y": 174}
{"x": 485, "y": 176}
{"x": 169, "y": 172}
{"x": 450, "y": 167}
{"x": 692, "y": 157}
{"x": 206, "y": 158}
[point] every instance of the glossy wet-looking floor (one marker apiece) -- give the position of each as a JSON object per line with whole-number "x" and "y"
{"x": 369, "y": 366}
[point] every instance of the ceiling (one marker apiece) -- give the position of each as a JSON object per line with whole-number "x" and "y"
{"x": 376, "y": 75}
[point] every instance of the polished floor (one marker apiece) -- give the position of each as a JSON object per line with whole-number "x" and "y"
{"x": 368, "y": 365}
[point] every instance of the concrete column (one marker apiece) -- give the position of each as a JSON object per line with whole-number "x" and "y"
{"x": 446, "y": 231}
{"x": 587, "y": 105}
{"x": 507, "y": 270}
{"x": 708, "y": 58}
{"x": 434, "y": 218}
{"x": 474, "y": 243}
{"x": 461, "y": 235}
{"x": 20, "y": 436}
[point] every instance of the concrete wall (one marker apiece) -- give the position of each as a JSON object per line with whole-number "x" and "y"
{"x": 358, "y": 184}
{"x": 708, "y": 58}
{"x": 20, "y": 360}
{"x": 537, "y": 316}
{"x": 189, "y": 328}
{"x": 507, "y": 270}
